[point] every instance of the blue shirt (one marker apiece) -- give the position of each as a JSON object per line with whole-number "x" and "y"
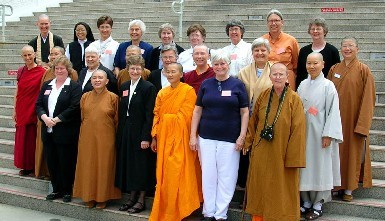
{"x": 221, "y": 117}
{"x": 120, "y": 57}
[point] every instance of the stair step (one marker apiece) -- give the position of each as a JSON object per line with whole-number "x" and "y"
{"x": 6, "y": 110}
{"x": 377, "y": 153}
{"x": 11, "y": 177}
{"x": 7, "y": 100}
{"x": 6, "y": 146}
{"x": 7, "y": 133}
{"x": 8, "y": 90}
{"x": 377, "y": 191}
{"x": 378, "y": 170}
{"x": 359, "y": 207}
{"x": 6, "y": 121}
{"x": 378, "y": 123}
{"x": 6, "y": 161}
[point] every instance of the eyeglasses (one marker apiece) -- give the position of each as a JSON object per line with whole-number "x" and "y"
{"x": 316, "y": 29}
{"x": 274, "y": 21}
{"x": 234, "y": 29}
{"x": 348, "y": 46}
{"x": 168, "y": 57}
{"x": 80, "y": 30}
{"x": 219, "y": 86}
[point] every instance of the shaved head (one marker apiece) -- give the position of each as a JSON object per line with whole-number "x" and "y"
{"x": 316, "y": 55}
{"x": 27, "y": 48}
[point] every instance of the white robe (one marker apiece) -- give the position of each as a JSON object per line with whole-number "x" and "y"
{"x": 321, "y": 104}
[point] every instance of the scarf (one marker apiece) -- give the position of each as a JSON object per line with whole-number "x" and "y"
{"x": 38, "y": 47}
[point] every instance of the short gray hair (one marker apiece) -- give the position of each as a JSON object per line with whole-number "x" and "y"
{"x": 260, "y": 42}
{"x": 234, "y": 22}
{"x": 138, "y": 22}
{"x": 92, "y": 49}
{"x": 169, "y": 48}
{"x": 134, "y": 47}
{"x": 319, "y": 22}
{"x": 275, "y": 12}
{"x": 202, "y": 45}
{"x": 218, "y": 55}
{"x": 166, "y": 26}
{"x": 350, "y": 38}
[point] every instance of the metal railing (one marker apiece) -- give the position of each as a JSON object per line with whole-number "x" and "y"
{"x": 180, "y": 12}
{"x": 3, "y": 14}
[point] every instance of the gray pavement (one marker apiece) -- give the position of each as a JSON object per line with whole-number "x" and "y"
{"x": 12, "y": 213}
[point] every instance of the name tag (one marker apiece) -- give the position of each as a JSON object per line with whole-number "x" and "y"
{"x": 337, "y": 75}
{"x": 233, "y": 57}
{"x": 142, "y": 51}
{"x": 226, "y": 93}
{"x": 313, "y": 111}
{"x": 108, "y": 51}
{"x": 47, "y": 92}
{"x": 125, "y": 93}
{"x": 281, "y": 50}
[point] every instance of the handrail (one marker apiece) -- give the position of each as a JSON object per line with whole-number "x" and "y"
{"x": 3, "y": 14}
{"x": 180, "y": 12}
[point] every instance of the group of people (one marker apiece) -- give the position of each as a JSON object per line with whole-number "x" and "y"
{"x": 191, "y": 126}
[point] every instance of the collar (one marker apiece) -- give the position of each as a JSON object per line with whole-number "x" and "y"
{"x": 82, "y": 41}
{"x": 239, "y": 43}
{"x": 66, "y": 82}
{"x": 136, "y": 83}
{"x": 106, "y": 41}
{"x": 45, "y": 37}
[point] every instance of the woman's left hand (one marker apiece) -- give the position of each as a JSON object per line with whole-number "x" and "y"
{"x": 144, "y": 144}
{"x": 326, "y": 141}
{"x": 239, "y": 143}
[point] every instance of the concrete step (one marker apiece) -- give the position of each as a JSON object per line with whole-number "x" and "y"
{"x": 378, "y": 123}
{"x": 6, "y": 161}
{"x": 8, "y": 90}
{"x": 7, "y": 133}
{"x": 378, "y": 74}
{"x": 359, "y": 207}
{"x": 376, "y": 192}
{"x": 377, "y": 137}
{"x": 377, "y": 153}
{"x": 6, "y": 100}
{"x": 6, "y": 146}
{"x": 380, "y": 85}
{"x": 6, "y": 80}
{"x": 11, "y": 177}
{"x": 378, "y": 170}
{"x": 380, "y": 97}
{"x": 6, "y": 121}
{"x": 6, "y": 110}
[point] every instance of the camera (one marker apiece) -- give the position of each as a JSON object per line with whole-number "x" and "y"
{"x": 267, "y": 133}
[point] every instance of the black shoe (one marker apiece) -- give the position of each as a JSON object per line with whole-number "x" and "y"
{"x": 67, "y": 198}
{"x": 53, "y": 196}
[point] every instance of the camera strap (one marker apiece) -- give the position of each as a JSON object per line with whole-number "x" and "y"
{"x": 281, "y": 99}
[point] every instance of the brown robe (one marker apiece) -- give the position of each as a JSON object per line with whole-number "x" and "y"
{"x": 273, "y": 179}
{"x": 40, "y": 164}
{"x": 355, "y": 86}
{"x": 95, "y": 168}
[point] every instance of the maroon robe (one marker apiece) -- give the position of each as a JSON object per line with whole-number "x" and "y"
{"x": 194, "y": 80}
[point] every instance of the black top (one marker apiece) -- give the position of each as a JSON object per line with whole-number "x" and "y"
{"x": 57, "y": 41}
{"x": 331, "y": 57}
{"x": 112, "y": 82}
{"x": 75, "y": 51}
{"x": 155, "y": 54}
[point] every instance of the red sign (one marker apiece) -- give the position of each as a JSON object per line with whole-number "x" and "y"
{"x": 325, "y": 10}
{"x": 12, "y": 72}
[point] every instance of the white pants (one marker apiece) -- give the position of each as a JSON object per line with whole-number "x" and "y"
{"x": 219, "y": 161}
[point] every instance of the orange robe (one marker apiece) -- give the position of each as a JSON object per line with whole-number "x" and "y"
{"x": 95, "y": 168}
{"x": 285, "y": 50}
{"x": 40, "y": 164}
{"x": 124, "y": 76}
{"x": 273, "y": 179}
{"x": 356, "y": 107}
{"x": 177, "y": 192}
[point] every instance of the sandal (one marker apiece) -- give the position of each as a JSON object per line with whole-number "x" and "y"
{"x": 25, "y": 172}
{"x": 313, "y": 214}
{"x": 127, "y": 206}
{"x": 347, "y": 198}
{"x": 304, "y": 210}
{"x": 137, "y": 208}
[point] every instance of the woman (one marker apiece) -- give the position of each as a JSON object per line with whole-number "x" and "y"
{"x": 177, "y": 187}
{"x": 357, "y": 108}
{"x": 323, "y": 133}
{"x": 276, "y": 138}
{"x": 93, "y": 64}
{"x": 166, "y": 34}
{"x": 284, "y": 47}
{"x": 58, "y": 109}
{"x": 41, "y": 170}
{"x": 24, "y": 115}
{"x": 239, "y": 50}
{"x": 203, "y": 71}
{"x": 135, "y": 170}
{"x": 318, "y": 29}
{"x": 106, "y": 46}
{"x": 136, "y": 29}
{"x": 197, "y": 35}
{"x": 95, "y": 168}
{"x": 75, "y": 50}
{"x": 222, "y": 103}
{"x": 256, "y": 79}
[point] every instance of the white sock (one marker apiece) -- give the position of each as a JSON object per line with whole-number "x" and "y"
{"x": 307, "y": 204}
{"x": 317, "y": 206}
{"x": 348, "y": 192}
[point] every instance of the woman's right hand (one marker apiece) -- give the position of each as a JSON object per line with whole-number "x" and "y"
{"x": 49, "y": 122}
{"x": 14, "y": 115}
{"x": 153, "y": 144}
{"x": 193, "y": 143}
